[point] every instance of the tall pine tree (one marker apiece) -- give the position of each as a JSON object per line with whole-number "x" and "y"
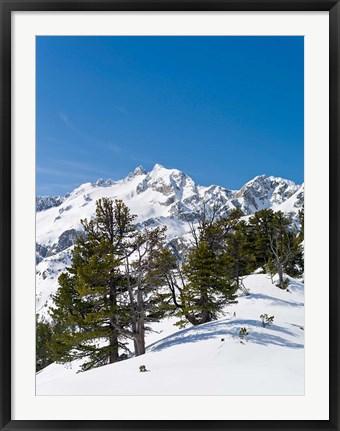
{"x": 208, "y": 285}
{"x": 108, "y": 294}
{"x": 89, "y": 305}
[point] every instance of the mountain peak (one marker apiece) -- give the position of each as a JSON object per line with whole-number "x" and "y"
{"x": 158, "y": 167}
{"x": 161, "y": 171}
{"x": 139, "y": 170}
{"x": 260, "y": 177}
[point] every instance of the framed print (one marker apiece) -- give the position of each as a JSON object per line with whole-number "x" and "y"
{"x": 157, "y": 268}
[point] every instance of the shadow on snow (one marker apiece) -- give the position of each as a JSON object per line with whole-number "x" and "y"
{"x": 275, "y": 301}
{"x": 224, "y": 328}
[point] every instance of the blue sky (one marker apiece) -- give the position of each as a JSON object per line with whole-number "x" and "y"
{"x": 221, "y": 109}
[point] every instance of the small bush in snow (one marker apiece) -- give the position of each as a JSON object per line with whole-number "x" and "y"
{"x": 243, "y": 332}
{"x": 266, "y": 320}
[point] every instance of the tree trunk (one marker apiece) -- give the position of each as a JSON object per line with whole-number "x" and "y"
{"x": 134, "y": 323}
{"x": 237, "y": 273}
{"x": 113, "y": 348}
{"x": 140, "y": 336}
{"x": 191, "y": 319}
{"x": 280, "y": 271}
{"x": 206, "y": 315}
{"x": 114, "y": 335}
{"x": 139, "y": 345}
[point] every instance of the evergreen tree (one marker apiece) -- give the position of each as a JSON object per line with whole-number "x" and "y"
{"x": 168, "y": 272}
{"x": 208, "y": 287}
{"x": 90, "y": 307}
{"x": 237, "y": 255}
{"x": 142, "y": 283}
{"x": 86, "y": 309}
{"x": 260, "y": 230}
{"x": 281, "y": 243}
{"x": 201, "y": 286}
{"x": 274, "y": 244}
{"x": 43, "y": 354}
{"x": 107, "y": 295}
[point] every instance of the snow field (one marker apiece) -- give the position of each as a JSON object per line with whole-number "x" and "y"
{"x": 208, "y": 359}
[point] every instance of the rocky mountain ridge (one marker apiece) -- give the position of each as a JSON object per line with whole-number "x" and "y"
{"x": 45, "y": 202}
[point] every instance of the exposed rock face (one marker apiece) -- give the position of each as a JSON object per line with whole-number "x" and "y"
{"x": 40, "y": 252}
{"x": 103, "y": 183}
{"x": 141, "y": 187}
{"x": 65, "y": 240}
{"x": 299, "y": 198}
{"x": 138, "y": 171}
{"x": 44, "y": 202}
{"x": 264, "y": 192}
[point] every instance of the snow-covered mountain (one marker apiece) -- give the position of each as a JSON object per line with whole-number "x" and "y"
{"x": 159, "y": 197}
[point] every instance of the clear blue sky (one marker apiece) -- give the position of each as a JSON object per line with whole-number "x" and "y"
{"x": 221, "y": 109}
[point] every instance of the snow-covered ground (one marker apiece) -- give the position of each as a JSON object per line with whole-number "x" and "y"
{"x": 209, "y": 359}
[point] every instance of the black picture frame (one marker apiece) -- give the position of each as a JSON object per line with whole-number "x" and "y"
{"x": 6, "y": 8}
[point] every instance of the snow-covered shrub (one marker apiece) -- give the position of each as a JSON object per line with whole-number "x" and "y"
{"x": 243, "y": 332}
{"x": 266, "y": 320}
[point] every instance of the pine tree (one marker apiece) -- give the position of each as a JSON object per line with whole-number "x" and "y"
{"x": 280, "y": 246}
{"x": 201, "y": 286}
{"x": 143, "y": 281}
{"x": 259, "y": 234}
{"x": 237, "y": 255}
{"x": 108, "y": 294}
{"x": 274, "y": 244}
{"x": 43, "y": 339}
{"x": 208, "y": 286}
{"x": 90, "y": 310}
{"x": 86, "y": 309}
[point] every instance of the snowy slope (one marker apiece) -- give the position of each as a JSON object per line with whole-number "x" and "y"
{"x": 208, "y": 359}
{"x": 293, "y": 205}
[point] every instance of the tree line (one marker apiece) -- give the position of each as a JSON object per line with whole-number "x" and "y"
{"x": 122, "y": 279}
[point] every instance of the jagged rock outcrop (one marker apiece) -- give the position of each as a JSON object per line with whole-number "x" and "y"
{"x": 65, "y": 240}
{"x": 45, "y": 202}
